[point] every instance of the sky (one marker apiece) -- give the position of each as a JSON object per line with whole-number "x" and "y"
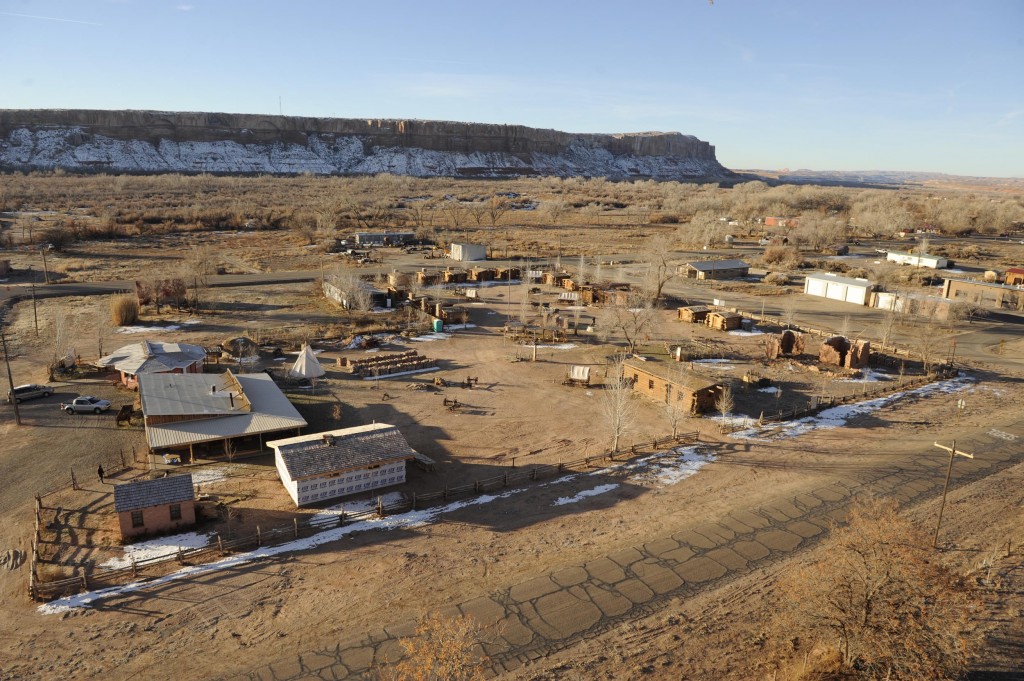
{"x": 913, "y": 85}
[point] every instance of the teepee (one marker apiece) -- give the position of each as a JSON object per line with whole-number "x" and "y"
{"x": 306, "y": 366}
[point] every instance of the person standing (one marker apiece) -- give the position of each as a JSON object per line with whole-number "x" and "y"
{"x": 99, "y": 472}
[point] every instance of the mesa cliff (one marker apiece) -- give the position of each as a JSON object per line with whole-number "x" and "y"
{"x": 155, "y": 142}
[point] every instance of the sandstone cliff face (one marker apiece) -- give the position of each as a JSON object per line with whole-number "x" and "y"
{"x": 152, "y": 141}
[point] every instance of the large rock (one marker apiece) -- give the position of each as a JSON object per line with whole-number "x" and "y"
{"x": 153, "y": 141}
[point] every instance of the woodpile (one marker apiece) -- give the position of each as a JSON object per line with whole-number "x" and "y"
{"x": 842, "y": 352}
{"x": 384, "y": 365}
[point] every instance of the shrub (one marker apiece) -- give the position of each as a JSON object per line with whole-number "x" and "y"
{"x": 784, "y": 256}
{"x": 124, "y": 310}
{"x": 777, "y": 278}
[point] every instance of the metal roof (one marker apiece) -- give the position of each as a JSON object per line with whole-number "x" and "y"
{"x": 196, "y": 395}
{"x": 828, "y": 276}
{"x": 133, "y": 496}
{"x": 342, "y": 450}
{"x": 713, "y": 265}
{"x": 270, "y": 411}
{"x": 152, "y": 357}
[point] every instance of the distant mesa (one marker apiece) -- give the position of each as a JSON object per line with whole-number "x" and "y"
{"x": 166, "y": 142}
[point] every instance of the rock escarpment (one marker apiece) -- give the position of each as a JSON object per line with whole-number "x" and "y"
{"x": 153, "y": 142}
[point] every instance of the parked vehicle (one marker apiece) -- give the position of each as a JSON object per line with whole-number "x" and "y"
{"x": 85, "y": 404}
{"x": 29, "y": 391}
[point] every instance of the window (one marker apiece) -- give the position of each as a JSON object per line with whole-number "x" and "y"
{"x": 175, "y": 511}
{"x": 137, "y": 519}
{"x": 650, "y": 384}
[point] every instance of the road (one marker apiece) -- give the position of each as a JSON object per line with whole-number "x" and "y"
{"x": 553, "y": 611}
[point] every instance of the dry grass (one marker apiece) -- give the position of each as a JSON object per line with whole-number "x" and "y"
{"x": 124, "y": 310}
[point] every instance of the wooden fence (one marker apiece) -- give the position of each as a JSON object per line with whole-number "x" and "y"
{"x": 90, "y": 577}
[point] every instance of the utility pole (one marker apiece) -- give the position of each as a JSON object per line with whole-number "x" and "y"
{"x": 10, "y": 379}
{"x": 35, "y": 314}
{"x": 46, "y": 272}
{"x": 949, "y": 471}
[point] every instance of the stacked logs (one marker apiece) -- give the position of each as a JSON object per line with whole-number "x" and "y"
{"x": 383, "y": 365}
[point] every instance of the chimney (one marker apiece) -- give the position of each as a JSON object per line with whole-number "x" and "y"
{"x": 231, "y": 396}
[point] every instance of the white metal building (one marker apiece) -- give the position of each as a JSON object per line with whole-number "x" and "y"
{"x": 828, "y": 285}
{"x": 468, "y": 252}
{"x": 338, "y": 463}
{"x": 935, "y": 262}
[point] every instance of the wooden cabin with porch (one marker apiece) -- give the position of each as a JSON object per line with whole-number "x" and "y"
{"x": 213, "y": 415}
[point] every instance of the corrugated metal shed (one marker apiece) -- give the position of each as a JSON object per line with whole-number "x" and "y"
{"x": 346, "y": 449}
{"x": 134, "y": 496}
{"x": 270, "y": 412}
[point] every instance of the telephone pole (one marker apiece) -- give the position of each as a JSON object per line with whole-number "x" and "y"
{"x": 10, "y": 379}
{"x": 949, "y": 471}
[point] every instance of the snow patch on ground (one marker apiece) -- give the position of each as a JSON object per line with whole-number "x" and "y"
{"x": 752, "y": 332}
{"x": 657, "y": 467}
{"x": 837, "y": 417}
{"x": 357, "y": 506}
{"x": 428, "y": 337}
{"x": 558, "y": 346}
{"x": 869, "y": 376}
{"x": 157, "y": 548}
{"x": 580, "y": 496}
{"x": 770, "y": 389}
{"x": 203, "y": 476}
{"x": 148, "y": 329}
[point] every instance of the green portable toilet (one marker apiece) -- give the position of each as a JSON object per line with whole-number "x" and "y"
{"x": 438, "y": 325}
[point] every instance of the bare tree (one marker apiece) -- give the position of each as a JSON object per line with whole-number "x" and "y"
{"x": 555, "y": 211}
{"x": 660, "y": 270}
{"x": 880, "y": 600}
{"x": 633, "y": 319}
{"x": 886, "y": 327}
{"x": 199, "y": 265}
{"x": 60, "y": 338}
{"x": 617, "y": 403}
{"x": 676, "y": 407}
{"x": 356, "y": 294}
{"x": 495, "y": 208}
{"x": 725, "y": 403}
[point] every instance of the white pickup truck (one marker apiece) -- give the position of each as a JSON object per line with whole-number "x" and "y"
{"x": 85, "y": 404}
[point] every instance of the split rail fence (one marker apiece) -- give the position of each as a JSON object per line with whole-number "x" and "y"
{"x": 92, "y": 577}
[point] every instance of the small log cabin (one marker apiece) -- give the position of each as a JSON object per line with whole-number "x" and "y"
{"x": 666, "y": 381}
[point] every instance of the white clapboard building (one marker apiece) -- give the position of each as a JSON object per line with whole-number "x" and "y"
{"x": 337, "y": 463}
{"x": 828, "y": 285}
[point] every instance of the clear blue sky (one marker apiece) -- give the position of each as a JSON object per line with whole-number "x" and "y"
{"x": 924, "y": 85}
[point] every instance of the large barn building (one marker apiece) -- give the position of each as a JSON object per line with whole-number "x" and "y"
{"x": 337, "y": 463}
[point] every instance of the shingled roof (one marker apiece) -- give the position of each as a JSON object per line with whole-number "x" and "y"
{"x": 133, "y": 496}
{"x": 342, "y": 450}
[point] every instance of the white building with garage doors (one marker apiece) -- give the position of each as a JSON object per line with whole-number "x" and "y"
{"x": 828, "y": 285}
{"x": 338, "y": 463}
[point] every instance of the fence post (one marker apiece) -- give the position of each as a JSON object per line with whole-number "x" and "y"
{"x": 380, "y": 507}
{"x": 74, "y": 482}
{"x": 181, "y": 556}
{"x": 124, "y": 464}
{"x": 295, "y": 524}
{"x": 446, "y": 492}
{"x": 220, "y": 545}
{"x": 85, "y": 582}
{"x": 414, "y": 500}
{"x": 259, "y": 537}
{"x": 533, "y": 473}
{"x": 134, "y": 567}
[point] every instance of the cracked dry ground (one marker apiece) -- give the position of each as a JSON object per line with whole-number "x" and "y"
{"x": 638, "y": 580}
